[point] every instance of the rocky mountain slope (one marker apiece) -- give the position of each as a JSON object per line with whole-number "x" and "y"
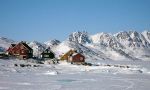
{"x": 37, "y": 48}
{"x": 5, "y": 43}
{"x": 123, "y": 45}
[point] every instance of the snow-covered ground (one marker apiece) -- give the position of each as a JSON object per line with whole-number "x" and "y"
{"x": 104, "y": 75}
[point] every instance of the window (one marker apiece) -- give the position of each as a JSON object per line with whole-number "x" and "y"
{"x": 46, "y": 55}
{"x": 81, "y": 58}
{"x": 30, "y": 51}
{"x": 22, "y": 51}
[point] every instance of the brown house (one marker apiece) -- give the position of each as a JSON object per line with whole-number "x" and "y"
{"x": 66, "y": 55}
{"x": 21, "y": 51}
{"x": 9, "y": 51}
{"x": 76, "y": 58}
{"x": 73, "y": 57}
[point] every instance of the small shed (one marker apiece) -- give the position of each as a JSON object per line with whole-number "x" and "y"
{"x": 47, "y": 54}
{"x": 77, "y": 58}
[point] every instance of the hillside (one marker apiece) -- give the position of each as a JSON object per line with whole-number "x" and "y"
{"x": 123, "y": 45}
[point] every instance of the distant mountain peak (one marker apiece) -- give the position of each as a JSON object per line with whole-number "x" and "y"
{"x": 5, "y": 43}
{"x": 37, "y": 47}
{"x": 52, "y": 43}
{"x": 79, "y": 37}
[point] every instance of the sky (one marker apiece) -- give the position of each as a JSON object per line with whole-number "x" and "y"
{"x": 43, "y": 20}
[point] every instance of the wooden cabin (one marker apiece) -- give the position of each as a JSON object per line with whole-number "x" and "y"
{"x": 66, "y": 55}
{"x": 21, "y": 51}
{"x": 76, "y": 58}
{"x": 9, "y": 50}
{"x": 47, "y": 54}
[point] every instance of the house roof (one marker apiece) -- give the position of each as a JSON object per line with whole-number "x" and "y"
{"x": 13, "y": 45}
{"x": 69, "y": 52}
{"x": 76, "y": 54}
{"x": 48, "y": 49}
{"x": 26, "y": 45}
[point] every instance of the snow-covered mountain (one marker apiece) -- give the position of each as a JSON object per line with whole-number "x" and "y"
{"x": 135, "y": 43}
{"x": 124, "y": 45}
{"x": 52, "y": 43}
{"x": 5, "y": 43}
{"x": 146, "y": 34}
{"x": 65, "y": 46}
{"x": 79, "y": 37}
{"x": 37, "y": 47}
{"x": 108, "y": 44}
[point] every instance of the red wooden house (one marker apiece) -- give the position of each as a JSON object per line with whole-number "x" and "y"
{"x": 21, "y": 51}
{"x": 9, "y": 51}
{"x": 76, "y": 58}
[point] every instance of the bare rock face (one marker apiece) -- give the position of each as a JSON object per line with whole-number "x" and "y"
{"x": 79, "y": 37}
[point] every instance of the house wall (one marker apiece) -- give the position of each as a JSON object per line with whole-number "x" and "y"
{"x": 66, "y": 55}
{"x": 47, "y": 54}
{"x": 77, "y": 58}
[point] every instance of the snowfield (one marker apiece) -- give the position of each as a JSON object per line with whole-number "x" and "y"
{"x": 103, "y": 75}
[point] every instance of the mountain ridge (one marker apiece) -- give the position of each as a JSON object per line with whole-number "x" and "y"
{"x": 127, "y": 45}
